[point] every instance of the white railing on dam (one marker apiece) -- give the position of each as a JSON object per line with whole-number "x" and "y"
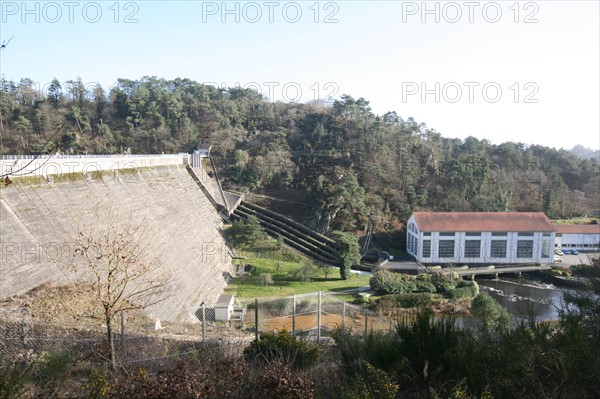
{"x": 52, "y": 165}
{"x": 67, "y": 156}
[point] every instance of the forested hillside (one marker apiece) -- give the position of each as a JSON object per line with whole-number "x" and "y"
{"x": 585, "y": 153}
{"x": 347, "y": 165}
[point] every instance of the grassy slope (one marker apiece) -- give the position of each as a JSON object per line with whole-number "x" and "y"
{"x": 249, "y": 287}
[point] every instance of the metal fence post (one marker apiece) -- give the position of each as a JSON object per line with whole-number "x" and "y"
{"x": 366, "y": 321}
{"x": 343, "y": 316}
{"x": 122, "y": 331}
{"x": 319, "y": 319}
{"x": 203, "y": 321}
{"x": 294, "y": 315}
{"x": 25, "y": 332}
{"x": 256, "y": 318}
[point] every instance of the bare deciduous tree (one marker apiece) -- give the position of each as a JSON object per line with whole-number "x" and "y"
{"x": 304, "y": 273}
{"x": 115, "y": 255}
{"x": 266, "y": 279}
{"x": 325, "y": 268}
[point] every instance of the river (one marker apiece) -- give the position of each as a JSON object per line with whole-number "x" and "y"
{"x": 518, "y": 296}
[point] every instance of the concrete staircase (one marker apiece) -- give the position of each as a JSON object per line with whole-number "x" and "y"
{"x": 294, "y": 234}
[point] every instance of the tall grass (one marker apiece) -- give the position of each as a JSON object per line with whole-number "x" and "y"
{"x": 426, "y": 357}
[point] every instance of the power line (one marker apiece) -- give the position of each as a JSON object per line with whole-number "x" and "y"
{"x": 5, "y": 43}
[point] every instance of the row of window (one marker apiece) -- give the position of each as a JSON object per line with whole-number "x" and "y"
{"x": 578, "y": 245}
{"x": 498, "y": 249}
{"x": 412, "y": 244}
{"x": 476, "y": 233}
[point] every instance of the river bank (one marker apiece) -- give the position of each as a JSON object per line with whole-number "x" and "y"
{"x": 566, "y": 281}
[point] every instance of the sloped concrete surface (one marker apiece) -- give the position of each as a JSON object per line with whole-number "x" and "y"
{"x": 39, "y": 220}
{"x": 225, "y": 200}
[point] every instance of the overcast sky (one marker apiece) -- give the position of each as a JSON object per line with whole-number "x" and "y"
{"x": 502, "y": 71}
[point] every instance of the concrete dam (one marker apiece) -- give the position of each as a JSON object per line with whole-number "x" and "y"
{"x": 49, "y": 196}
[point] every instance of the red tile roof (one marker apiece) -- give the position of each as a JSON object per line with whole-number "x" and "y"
{"x": 483, "y": 221}
{"x": 577, "y": 228}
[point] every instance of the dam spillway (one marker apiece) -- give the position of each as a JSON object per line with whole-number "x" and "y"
{"x": 38, "y": 211}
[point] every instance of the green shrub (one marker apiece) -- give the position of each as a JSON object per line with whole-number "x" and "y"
{"x": 360, "y": 300}
{"x": 444, "y": 287}
{"x": 277, "y": 307}
{"x": 52, "y": 369}
{"x": 386, "y": 282}
{"x": 444, "y": 282}
{"x": 377, "y": 348}
{"x": 382, "y": 282}
{"x": 287, "y": 255}
{"x": 370, "y": 383}
{"x": 490, "y": 313}
{"x": 460, "y": 293}
{"x": 414, "y": 299}
{"x": 386, "y": 303}
{"x": 305, "y": 304}
{"x": 247, "y": 234}
{"x": 428, "y": 345}
{"x": 349, "y": 251}
{"x": 212, "y": 377}
{"x": 98, "y": 386}
{"x": 425, "y": 286}
{"x": 13, "y": 381}
{"x": 305, "y": 272}
{"x": 464, "y": 289}
{"x": 408, "y": 283}
{"x": 470, "y": 284}
{"x": 282, "y": 347}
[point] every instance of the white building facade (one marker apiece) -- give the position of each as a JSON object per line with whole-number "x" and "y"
{"x": 582, "y": 237}
{"x": 480, "y": 237}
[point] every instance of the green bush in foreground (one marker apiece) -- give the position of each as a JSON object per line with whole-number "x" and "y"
{"x": 424, "y": 357}
{"x": 13, "y": 381}
{"x": 282, "y": 347}
{"x": 209, "y": 378}
{"x": 490, "y": 314}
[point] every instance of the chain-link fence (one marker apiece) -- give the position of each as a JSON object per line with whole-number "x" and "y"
{"x": 28, "y": 339}
{"x": 313, "y": 316}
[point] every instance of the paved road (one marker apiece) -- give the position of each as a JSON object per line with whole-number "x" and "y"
{"x": 403, "y": 266}
{"x": 582, "y": 258}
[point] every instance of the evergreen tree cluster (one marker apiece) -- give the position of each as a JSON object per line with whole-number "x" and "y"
{"x": 355, "y": 167}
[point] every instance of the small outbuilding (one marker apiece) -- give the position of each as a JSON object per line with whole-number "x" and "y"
{"x": 224, "y": 308}
{"x": 203, "y": 151}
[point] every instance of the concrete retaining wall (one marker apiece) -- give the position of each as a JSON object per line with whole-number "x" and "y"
{"x": 38, "y": 217}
